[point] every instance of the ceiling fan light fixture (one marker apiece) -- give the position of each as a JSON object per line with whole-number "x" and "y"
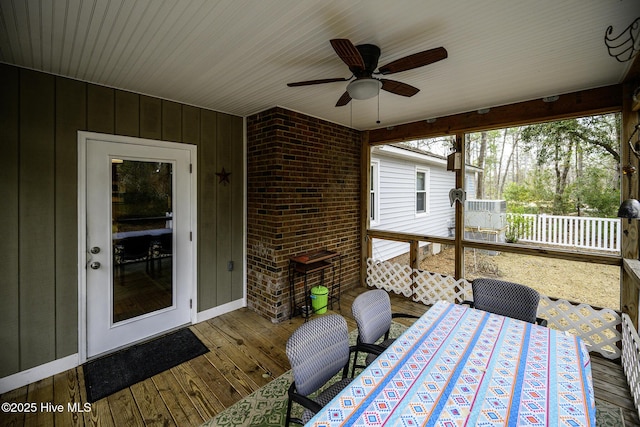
{"x": 364, "y": 88}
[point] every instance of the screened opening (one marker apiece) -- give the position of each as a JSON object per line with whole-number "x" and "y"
{"x": 554, "y": 184}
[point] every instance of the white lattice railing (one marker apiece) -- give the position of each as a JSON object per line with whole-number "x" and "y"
{"x": 598, "y": 328}
{"x": 434, "y": 287}
{"x": 631, "y": 358}
{"x": 391, "y": 277}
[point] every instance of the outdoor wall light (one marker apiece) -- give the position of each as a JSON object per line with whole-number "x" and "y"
{"x": 630, "y": 208}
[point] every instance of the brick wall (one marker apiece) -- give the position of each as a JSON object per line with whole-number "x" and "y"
{"x": 303, "y": 177}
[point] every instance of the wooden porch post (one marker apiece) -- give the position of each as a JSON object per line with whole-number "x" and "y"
{"x": 629, "y": 286}
{"x": 459, "y": 207}
{"x": 365, "y": 171}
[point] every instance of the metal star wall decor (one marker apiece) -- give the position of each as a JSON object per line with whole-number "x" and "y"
{"x": 223, "y": 177}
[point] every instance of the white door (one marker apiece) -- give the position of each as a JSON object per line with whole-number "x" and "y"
{"x": 139, "y": 248}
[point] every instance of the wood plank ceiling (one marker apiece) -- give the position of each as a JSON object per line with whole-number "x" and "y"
{"x": 236, "y": 56}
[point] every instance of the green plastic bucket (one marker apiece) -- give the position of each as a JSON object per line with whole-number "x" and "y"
{"x": 319, "y": 297}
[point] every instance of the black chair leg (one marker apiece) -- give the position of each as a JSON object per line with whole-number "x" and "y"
{"x": 288, "y": 420}
{"x": 355, "y": 360}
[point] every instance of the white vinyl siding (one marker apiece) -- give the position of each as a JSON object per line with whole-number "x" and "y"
{"x": 397, "y": 201}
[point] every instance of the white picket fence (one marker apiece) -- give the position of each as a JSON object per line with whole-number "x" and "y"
{"x": 580, "y": 232}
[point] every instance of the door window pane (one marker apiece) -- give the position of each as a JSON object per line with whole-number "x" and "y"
{"x": 142, "y": 227}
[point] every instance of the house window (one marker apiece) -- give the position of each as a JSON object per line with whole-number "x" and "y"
{"x": 373, "y": 193}
{"x": 422, "y": 178}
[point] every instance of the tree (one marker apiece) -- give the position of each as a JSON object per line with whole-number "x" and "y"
{"x": 598, "y": 191}
{"x": 512, "y": 134}
{"x": 562, "y": 167}
{"x": 556, "y": 143}
{"x": 481, "y": 157}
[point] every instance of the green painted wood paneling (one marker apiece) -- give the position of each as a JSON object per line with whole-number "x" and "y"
{"x": 224, "y": 212}
{"x": 37, "y": 219}
{"x": 150, "y": 117}
{"x": 190, "y": 124}
{"x": 127, "y": 114}
{"x": 207, "y": 234}
{"x": 230, "y": 225}
{"x": 71, "y": 115}
{"x": 100, "y": 109}
{"x": 236, "y": 140}
{"x": 40, "y": 115}
{"x": 9, "y": 242}
{"x": 171, "y": 121}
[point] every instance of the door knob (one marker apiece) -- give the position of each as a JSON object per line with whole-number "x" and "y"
{"x": 95, "y": 250}
{"x": 95, "y": 265}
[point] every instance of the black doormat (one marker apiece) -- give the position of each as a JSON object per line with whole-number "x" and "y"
{"x": 120, "y": 370}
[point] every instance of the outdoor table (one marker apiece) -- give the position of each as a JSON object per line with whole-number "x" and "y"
{"x": 457, "y": 366}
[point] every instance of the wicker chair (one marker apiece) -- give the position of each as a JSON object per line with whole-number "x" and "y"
{"x": 131, "y": 250}
{"x": 372, "y": 312}
{"x": 507, "y": 299}
{"x": 317, "y": 350}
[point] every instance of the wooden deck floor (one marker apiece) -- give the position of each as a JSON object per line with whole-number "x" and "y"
{"x": 247, "y": 351}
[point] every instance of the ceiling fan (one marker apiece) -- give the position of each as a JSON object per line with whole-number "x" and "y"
{"x": 362, "y": 60}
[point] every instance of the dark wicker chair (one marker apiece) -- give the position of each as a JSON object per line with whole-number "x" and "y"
{"x": 372, "y": 312}
{"x": 132, "y": 250}
{"x": 317, "y": 350}
{"x": 161, "y": 248}
{"x": 507, "y": 299}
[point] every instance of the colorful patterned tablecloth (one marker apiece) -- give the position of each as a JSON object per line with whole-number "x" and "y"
{"x": 457, "y": 366}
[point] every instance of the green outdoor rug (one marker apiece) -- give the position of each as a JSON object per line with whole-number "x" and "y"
{"x": 267, "y": 406}
{"x": 608, "y": 415}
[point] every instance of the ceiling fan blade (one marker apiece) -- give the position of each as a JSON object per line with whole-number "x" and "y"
{"x": 398, "y": 88}
{"x": 344, "y": 100}
{"x": 416, "y": 60}
{"x": 317, "y": 82}
{"x": 348, "y": 53}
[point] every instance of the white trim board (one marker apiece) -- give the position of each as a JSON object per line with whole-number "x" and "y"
{"x": 38, "y": 373}
{"x": 220, "y": 310}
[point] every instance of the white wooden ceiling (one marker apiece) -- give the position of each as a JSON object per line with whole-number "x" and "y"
{"x": 236, "y": 56}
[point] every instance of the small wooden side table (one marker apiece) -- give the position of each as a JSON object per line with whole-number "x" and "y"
{"x": 308, "y": 263}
